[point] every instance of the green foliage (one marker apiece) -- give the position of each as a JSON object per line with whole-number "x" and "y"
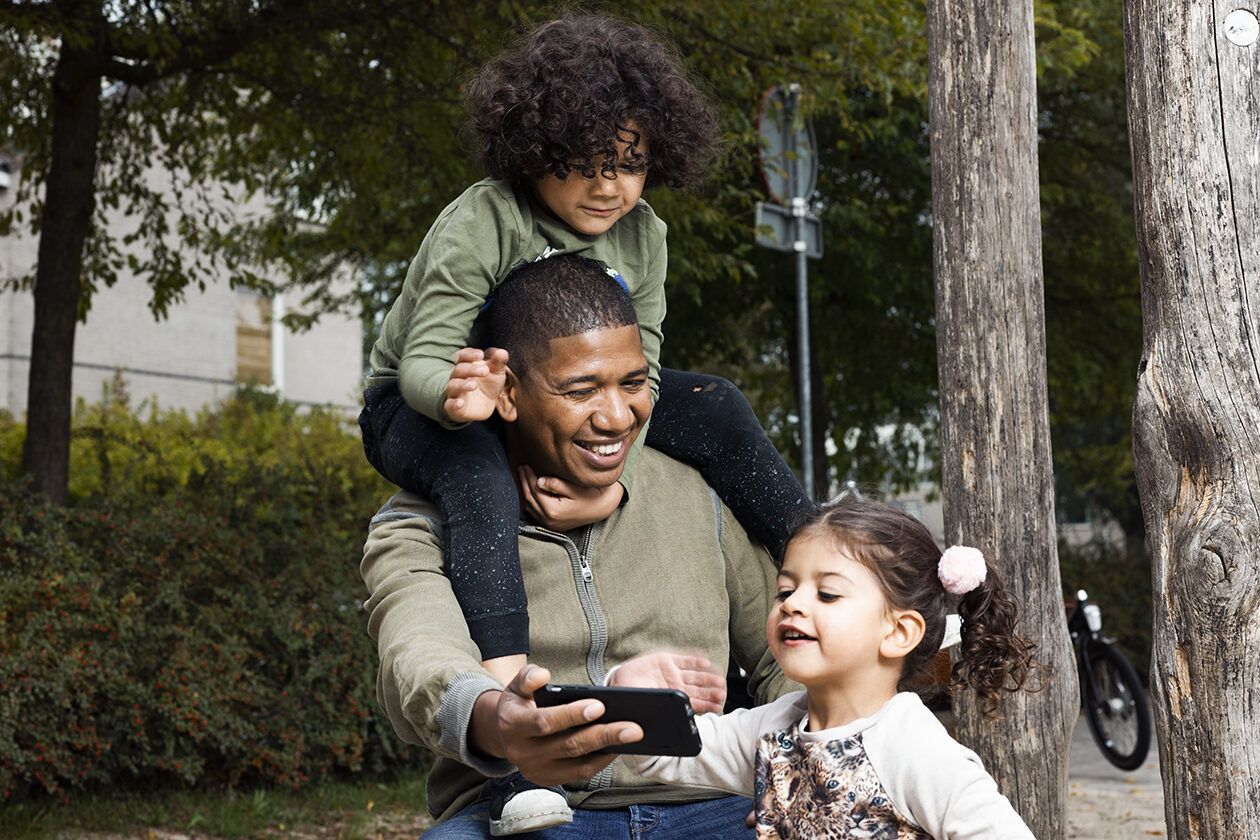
{"x": 346, "y": 126}
{"x": 1093, "y": 303}
{"x": 194, "y": 617}
{"x": 862, "y": 67}
{"x": 312, "y": 109}
{"x": 871, "y": 296}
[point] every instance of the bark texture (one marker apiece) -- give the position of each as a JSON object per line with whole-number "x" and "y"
{"x": 996, "y": 473}
{"x": 1194, "y": 121}
{"x": 67, "y": 219}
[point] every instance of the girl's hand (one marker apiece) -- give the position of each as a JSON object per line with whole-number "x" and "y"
{"x": 689, "y": 673}
{"x": 475, "y": 383}
{"x": 562, "y": 506}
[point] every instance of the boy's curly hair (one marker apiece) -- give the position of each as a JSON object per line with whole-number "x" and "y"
{"x": 565, "y": 98}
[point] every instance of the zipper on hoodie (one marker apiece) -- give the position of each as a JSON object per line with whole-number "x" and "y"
{"x": 595, "y": 618}
{"x": 584, "y": 564}
{"x": 579, "y": 552}
{"x": 596, "y": 622}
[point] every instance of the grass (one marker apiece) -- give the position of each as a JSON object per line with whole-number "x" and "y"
{"x": 352, "y": 810}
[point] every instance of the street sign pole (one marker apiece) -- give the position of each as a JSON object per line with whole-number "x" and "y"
{"x": 802, "y": 318}
{"x": 789, "y": 165}
{"x": 802, "y": 299}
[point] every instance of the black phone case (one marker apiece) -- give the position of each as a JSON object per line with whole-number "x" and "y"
{"x": 669, "y": 725}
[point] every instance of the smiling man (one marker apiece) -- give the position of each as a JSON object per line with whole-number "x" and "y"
{"x": 670, "y": 568}
{"x": 584, "y": 395}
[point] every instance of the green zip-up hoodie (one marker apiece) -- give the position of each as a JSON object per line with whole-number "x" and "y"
{"x": 671, "y": 568}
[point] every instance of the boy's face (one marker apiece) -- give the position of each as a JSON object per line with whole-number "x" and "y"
{"x": 593, "y": 205}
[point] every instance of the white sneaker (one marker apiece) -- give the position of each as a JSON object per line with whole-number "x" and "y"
{"x": 517, "y": 805}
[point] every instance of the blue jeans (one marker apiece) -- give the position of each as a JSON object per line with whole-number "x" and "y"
{"x": 717, "y": 819}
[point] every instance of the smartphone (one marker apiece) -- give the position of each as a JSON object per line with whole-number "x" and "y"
{"x": 664, "y": 714}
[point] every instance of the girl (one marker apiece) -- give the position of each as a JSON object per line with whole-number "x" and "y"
{"x": 859, "y": 615}
{"x": 572, "y": 124}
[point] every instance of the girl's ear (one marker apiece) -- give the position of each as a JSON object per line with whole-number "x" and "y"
{"x": 905, "y": 631}
{"x": 506, "y": 403}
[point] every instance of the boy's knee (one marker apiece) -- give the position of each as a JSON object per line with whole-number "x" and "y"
{"x": 699, "y": 385}
{"x": 731, "y": 397}
{"x": 725, "y": 389}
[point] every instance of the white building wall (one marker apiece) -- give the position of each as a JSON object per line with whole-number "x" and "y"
{"x": 924, "y": 504}
{"x": 325, "y": 364}
{"x": 10, "y": 345}
{"x": 185, "y": 361}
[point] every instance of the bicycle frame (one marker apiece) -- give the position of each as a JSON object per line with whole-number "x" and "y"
{"x": 1085, "y": 627}
{"x": 1112, "y": 697}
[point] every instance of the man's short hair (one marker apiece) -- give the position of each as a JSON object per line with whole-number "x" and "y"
{"x": 554, "y": 298}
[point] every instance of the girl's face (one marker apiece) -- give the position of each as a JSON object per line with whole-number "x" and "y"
{"x": 593, "y": 205}
{"x": 830, "y": 617}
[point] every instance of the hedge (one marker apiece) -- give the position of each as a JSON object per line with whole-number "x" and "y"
{"x": 194, "y": 616}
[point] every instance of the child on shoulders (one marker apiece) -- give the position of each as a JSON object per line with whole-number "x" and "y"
{"x": 572, "y": 124}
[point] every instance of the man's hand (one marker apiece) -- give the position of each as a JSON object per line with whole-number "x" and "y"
{"x": 562, "y": 506}
{"x": 689, "y": 673}
{"x": 475, "y": 383}
{"x": 550, "y": 746}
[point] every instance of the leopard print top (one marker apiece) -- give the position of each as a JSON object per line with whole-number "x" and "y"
{"x": 810, "y": 789}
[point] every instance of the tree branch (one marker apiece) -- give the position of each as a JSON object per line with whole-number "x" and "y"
{"x": 708, "y": 35}
{"x": 207, "y": 48}
{"x": 42, "y": 16}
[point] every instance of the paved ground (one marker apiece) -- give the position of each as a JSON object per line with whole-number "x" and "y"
{"x": 1105, "y": 803}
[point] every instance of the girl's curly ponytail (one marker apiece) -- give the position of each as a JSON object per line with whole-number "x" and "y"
{"x": 994, "y": 656}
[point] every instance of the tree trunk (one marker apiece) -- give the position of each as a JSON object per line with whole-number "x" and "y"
{"x": 69, "y": 202}
{"x": 997, "y": 483}
{"x": 1194, "y": 124}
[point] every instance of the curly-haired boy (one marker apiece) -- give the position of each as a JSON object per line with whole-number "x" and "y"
{"x": 572, "y": 124}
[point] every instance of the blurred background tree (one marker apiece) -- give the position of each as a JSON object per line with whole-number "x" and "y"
{"x": 347, "y": 118}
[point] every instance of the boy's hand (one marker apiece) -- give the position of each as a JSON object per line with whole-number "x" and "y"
{"x": 690, "y": 673}
{"x": 475, "y": 384}
{"x": 562, "y": 506}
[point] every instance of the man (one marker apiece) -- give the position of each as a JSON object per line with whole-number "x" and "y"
{"x": 669, "y": 569}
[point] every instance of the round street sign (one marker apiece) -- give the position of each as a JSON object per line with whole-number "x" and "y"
{"x": 786, "y": 151}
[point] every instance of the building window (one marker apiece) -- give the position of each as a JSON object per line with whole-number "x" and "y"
{"x": 253, "y": 339}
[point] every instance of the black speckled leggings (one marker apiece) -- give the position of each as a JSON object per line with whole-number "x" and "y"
{"x": 703, "y": 420}
{"x": 707, "y": 422}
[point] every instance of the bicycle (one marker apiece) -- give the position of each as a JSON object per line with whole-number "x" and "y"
{"x": 1112, "y": 696}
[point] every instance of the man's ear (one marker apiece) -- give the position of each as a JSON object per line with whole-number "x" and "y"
{"x": 905, "y": 631}
{"x": 506, "y": 403}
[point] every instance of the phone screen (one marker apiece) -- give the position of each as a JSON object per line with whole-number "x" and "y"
{"x": 664, "y": 714}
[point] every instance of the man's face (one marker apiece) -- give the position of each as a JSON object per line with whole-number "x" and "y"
{"x": 575, "y": 415}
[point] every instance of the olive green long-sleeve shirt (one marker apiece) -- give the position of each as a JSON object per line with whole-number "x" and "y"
{"x": 473, "y": 245}
{"x": 471, "y": 248}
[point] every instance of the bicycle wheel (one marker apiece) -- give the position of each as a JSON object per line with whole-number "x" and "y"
{"x": 1116, "y": 709}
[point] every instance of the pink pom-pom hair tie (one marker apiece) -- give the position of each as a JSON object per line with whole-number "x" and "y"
{"x": 961, "y": 569}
